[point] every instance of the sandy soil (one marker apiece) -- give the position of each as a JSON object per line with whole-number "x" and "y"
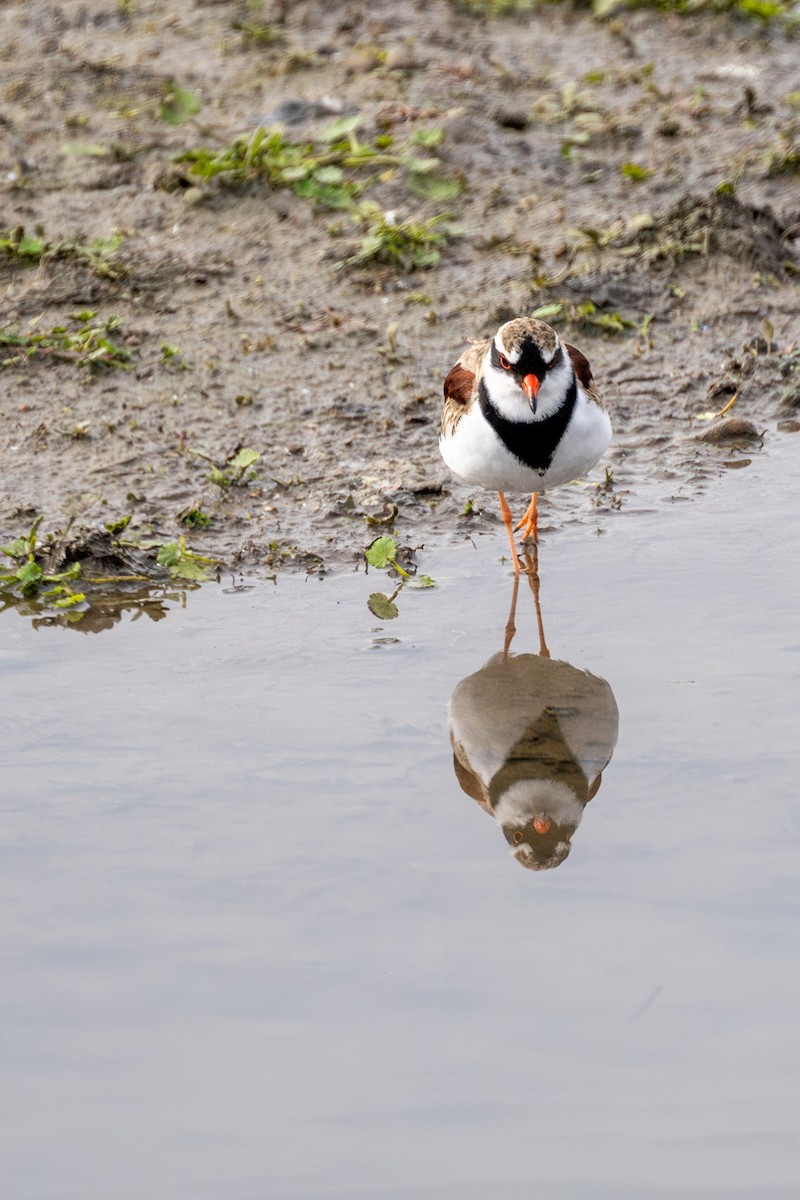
{"x": 589, "y": 155}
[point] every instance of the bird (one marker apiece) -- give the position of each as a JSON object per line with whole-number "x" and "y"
{"x": 531, "y": 737}
{"x": 522, "y": 412}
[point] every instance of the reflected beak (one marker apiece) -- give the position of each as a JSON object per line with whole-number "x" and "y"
{"x": 542, "y": 823}
{"x": 530, "y": 386}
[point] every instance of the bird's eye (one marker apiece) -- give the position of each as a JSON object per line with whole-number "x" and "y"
{"x": 517, "y": 837}
{"x": 504, "y": 363}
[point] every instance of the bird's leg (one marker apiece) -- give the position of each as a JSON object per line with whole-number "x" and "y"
{"x": 511, "y": 627}
{"x": 533, "y": 579}
{"x": 505, "y": 512}
{"x": 529, "y": 520}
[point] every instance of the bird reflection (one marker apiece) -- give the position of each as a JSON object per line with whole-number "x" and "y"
{"x": 531, "y": 737}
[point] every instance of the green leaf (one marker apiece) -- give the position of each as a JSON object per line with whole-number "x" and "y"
{"x": 70, "y": 600}
{"x": 548, "y": 310}
{"x": 423, "y": 166}
{"x": 169, "y": 554}
{"x": 329, "y": 175}
{"x": 178, "y": 105}
{"x": 632, "y": 170}
{"x": 72, "y": 572}
{"x": 381, "y": 552}
{"x": 219, "y": 477}
{"x": 17, "y": 549}
{"x": 427, "y": 137}
{"x": 422, "y": 581}
{"x": 182, "y": 563}
{"x": 195, "y": 518}
{"x": 30, "y": 247}
{"x": 381, "y": 606}
{"x": 115, "y": 527}
{"x": 434, "y": 187}
{"x": 340, "y": 128}
{"x": 29, "y": 574}
{"x": 187, "y": 567}
{"x": 243, "y": 459}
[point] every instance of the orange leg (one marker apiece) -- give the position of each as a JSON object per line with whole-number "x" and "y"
{"x": 529, "y": 520}
{"x": 505, "y": 512}
{"x": 511, "y": 627}
{"x": 533, "y": 580}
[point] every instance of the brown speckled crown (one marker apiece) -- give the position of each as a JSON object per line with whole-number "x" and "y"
{"x": 514, "y": 333}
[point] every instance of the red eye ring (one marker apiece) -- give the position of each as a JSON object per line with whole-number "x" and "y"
{"x": 504, "y": 363}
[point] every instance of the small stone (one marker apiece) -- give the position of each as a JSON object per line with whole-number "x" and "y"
{"x": 730, "y": 429}
{"x": 511, "y": 118}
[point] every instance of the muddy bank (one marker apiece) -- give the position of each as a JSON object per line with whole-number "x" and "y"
{"x": 168, "y": 301}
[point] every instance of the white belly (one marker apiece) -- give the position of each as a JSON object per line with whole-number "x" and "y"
{"x": 477, "y": 454}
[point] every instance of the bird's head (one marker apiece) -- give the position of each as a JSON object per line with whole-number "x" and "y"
{"x": 538, "y": 817}
{"x": 527, "y": 372}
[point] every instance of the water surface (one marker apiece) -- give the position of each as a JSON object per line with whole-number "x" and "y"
{"x": 258, "y": 942}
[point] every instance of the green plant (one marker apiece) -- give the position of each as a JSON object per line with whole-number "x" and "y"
{"x": 383, "y": 554}
{"x": 171, "y": 356}
{"x": 84, "y": 341}
{"x": 27, "y": 577}
{"x": 330, "y": 171}
{"x": 195, "y": 518}
{"x": 232, "y": 471}
{"x": 783, "y": 157}
{"x": 587, "y": 315}
{"x": 178, "y": 105}
{"x": 408, "y": 245}
{"x": 762, "y": 10}
{"x": 494, "y": 8}
{"x": 183, "y": 563}
{"x": 236, "y": 467}
{"x": 635, "y": 172}
{"x": 98, "y": 254}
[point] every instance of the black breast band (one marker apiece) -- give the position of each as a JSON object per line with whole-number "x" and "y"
{"x": 532, "y": 442}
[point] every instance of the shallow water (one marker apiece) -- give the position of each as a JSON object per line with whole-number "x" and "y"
{"x": 258, "y": 942}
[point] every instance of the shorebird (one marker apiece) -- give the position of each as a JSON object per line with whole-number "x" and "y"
{"x": 522, "y": 413}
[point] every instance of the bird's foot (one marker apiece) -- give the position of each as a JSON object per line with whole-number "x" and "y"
{"x": 528, "y": 521}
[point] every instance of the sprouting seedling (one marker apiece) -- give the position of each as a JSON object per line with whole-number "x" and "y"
{"x": 232, "y": 472}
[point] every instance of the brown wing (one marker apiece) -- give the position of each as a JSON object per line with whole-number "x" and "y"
{"x": 583, "y": 372}
{"x": 461, "y": 386}
{"x": 468, "y": 781}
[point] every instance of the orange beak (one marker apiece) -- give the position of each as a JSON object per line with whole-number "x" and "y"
{"x": 542, "y": 824}
{"x": 530, "y": 386}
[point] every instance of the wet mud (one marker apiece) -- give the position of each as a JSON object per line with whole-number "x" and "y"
{"x": 634, "y": 180}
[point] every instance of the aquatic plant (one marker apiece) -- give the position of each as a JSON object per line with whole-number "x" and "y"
{"x": 383, "y": 554}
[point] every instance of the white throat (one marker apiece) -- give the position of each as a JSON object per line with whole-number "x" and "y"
{"x": 554, "y": 389}
{"x": 511, "y": 402}
{"x": 520, "y": 803}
